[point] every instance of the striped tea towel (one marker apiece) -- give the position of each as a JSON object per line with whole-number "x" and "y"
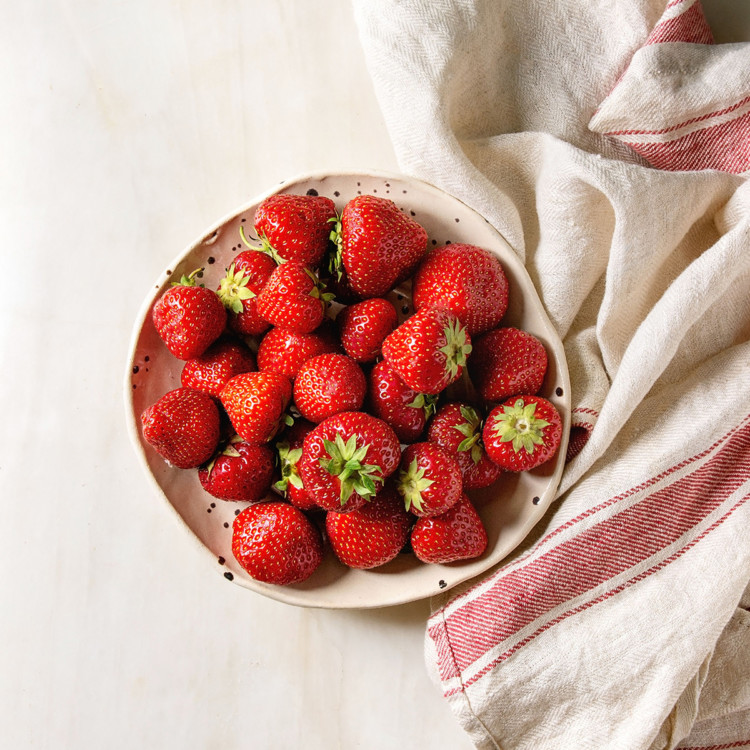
{"x": 608, "y": 143}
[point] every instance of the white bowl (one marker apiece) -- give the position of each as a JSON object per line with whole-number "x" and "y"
{"x": 509, "y": 509}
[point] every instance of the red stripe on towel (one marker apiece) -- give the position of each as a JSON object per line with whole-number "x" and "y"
{"x": 528, "y": 595}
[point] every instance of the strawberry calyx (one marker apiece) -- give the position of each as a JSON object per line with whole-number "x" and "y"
{"x": 426, "y": 402}
{"x": 318, "y": 290}
{"x": 519, "y": 426}
{"x": 457, "y": 347}
{"x": 288, "y": 458}
{"x": 190, "y": 279}
{"x": 336, "y": 256}
{"x": 472, "y": 433}
{"x": 265, "y": 246}
{"x": 345, "y": 462}
{"x": 411, "y": 484}
{"x": 233, "y": 289}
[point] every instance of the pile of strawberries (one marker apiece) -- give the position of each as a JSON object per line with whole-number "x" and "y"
{"x": 307, "y": 394}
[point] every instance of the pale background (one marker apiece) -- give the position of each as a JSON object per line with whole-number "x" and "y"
{"x": 127, "y": 128}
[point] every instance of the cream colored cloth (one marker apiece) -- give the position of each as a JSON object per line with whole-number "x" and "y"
{"x": 620, "y": 622}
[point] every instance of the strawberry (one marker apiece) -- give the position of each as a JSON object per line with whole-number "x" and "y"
{"x": 428, "y": 350}
{"x": 295, "y": 227}
{"x": 328, "y": 384}
{"x": 189, "y": 318}
{"x": 347, "y": 458}
{"x": 284, "y": 351}
{"x": 241, "y": 471}
{"x": 255, "y": 403}
{"x": 239, "y": 288}
{"x": 293, "y": 298}
{"x": 457, "y": 534}
{"x": 391, "y": 400}
{"x": 372, "y": 535}
{"x": 429, "y": 480}
{"x": 468, "y": 279}
{"x": 276, "y": 543}
{"x": 363, "y": 327}
{"x": 289, "y": 451}
{"x": 457, "y": 428}
{"x": 507, "y": 361}
{"x": 218, "y": 364}
{"x": 182, "y": 427}
{"x": 522, "y": 433}
{"x": 378, "y": 245}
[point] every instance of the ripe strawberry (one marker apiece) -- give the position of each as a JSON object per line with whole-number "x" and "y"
{"x": 457, "y": 534}
{"x": 216, "y": 366}
{"x": 429, "y": 480}
{"x": 379, "y": 245}
{"x": 276, "y": 543}
{"x": 189, "y": 318}
{"x": 522, "y": 433}
{"x": 182, "y": 427}
{"x": 289, "y": 451}
{"x": 428, "y": 350}
{"x": 239, "y": 289}
{"x": 328, "y": 384}
{"x": 255, "y": 403}
{"x": 467, "y": 279}
{"x": 364, "y": 325}
{"x": 457, "y": 428}
{"x": 285, "y": 351}
{"x": 347, "y": 458}
{"x": 293, "y": 298}
{"x": 295, "y": 227}
{"x": 241, "y": 471}
{"x": 507, "y": 361}
{"x": 391, "y": 400}
{"x": 372, "y": 535}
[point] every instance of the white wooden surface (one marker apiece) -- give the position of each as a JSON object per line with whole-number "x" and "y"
{"x": 126, "y": 129}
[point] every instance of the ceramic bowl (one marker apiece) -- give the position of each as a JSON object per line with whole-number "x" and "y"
{"x": 509, "y": 509}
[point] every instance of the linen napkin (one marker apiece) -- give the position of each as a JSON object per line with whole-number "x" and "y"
{"x": 608, "y": 142}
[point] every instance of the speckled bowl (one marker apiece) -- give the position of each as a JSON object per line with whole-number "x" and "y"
{"x": 509, "y": 509}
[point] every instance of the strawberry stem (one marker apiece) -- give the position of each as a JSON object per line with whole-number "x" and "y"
{"x": 345, "y": 462}
{"x": 411, "y": 484}
{"x": 457, "y": 347}
{"x": 520, "y": 427}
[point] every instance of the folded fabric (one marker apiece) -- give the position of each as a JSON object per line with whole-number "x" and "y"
{"x": 620, "y": 622}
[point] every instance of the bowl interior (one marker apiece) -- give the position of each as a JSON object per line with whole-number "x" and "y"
{"x": 509, "y": 509}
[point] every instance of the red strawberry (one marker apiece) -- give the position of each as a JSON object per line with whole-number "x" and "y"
{"x": 242, "y": 471}
{"x": 468, "y": 279}
{"x": 293, "y": 298}
{"x": 522, "y": 433}
{"x": 372, "y": 535}
{"x": 507, "y": 361}
{"x": 216, "y": 366}
{"x": 457, "y": 534}
{"x": 429, "y": 480}
{"x": 276, "y": 543}
{"x": 239, "y": 289}
{"x": 391, "y": 400}
{"x": 295, "y": 227}
{"x": 347, "y": 458}
{"x": 182, "y": 427}
{"x": 189, "y": 318}
{"x": 289, "y": 451}
{"x": 428, "y": 350}
{"x": 284, "y": 351}
{"x": 379, "y": 245}
{"x": 328, "y": 384}
{"x": 255, "y": 403}
{"x": 457, "y": 428}
{"x": 363, "y": 327}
